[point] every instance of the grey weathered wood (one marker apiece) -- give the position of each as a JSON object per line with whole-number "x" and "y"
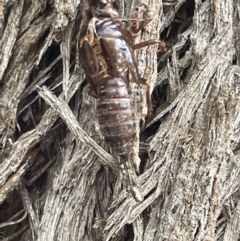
{"x": 63, "y": 110}
{"x": 71, "y": 190}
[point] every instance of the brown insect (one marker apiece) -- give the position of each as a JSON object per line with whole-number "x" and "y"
{"x": 110, "y": 66}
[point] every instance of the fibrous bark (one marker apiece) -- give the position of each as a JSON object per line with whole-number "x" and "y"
{"x": 58, "y": 180}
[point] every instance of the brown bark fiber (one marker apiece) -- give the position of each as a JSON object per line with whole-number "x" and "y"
{"x": 58, "y": 179}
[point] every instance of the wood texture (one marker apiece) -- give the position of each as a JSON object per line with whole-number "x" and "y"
{"x": 58, "y": 179}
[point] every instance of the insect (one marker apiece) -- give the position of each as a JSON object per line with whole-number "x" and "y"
{"x": 110, "y": 66}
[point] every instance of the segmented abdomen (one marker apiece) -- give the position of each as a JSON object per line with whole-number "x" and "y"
{"x": 116, "y": 115}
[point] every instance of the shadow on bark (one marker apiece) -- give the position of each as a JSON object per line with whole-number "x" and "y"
{"x": 58, "y": 179}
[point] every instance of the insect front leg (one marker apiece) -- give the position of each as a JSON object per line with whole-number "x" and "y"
{"x": 89, "y": 54}
{"x": 139, "y": 20}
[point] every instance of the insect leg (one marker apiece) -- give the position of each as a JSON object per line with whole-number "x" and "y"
{"x": 133, "y": 78}
{"x": 133, "y": 74}
{"x": 91, "y": 65}
{"x": 148, "y": 95}
{"x": 141, "y": 18}
{"x": 89, "y": 58}
{"x": 161, "y": 44}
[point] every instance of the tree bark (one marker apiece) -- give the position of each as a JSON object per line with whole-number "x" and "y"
{"x": 58, "y": 180}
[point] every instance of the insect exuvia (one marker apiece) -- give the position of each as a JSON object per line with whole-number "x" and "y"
{"x": 110, "y": 66}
